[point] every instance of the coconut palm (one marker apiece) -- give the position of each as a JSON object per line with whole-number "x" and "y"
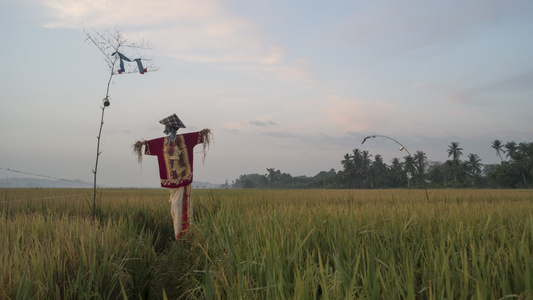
{"x": 523, "y": 151}
{"x": 511, "y": 149}
{"x": 379, "y": 166}
{"x": 474, "y": 164}
{"x": 449, "y": 170}
{"x": 409, "y": 166}
{"x": 347, "y": 162}
{"x": 378, "y": 172}
{"x": 397, "y": 170}
{"x": 436, "y": 173}
{"x": 364, "y": 162}
{"x": 420, "y": 159}
{"x": 364, "y": 166}
{"x": 454, "y": 151}
{"x": 498, "y": 146}
{"x": 348, "y": 174}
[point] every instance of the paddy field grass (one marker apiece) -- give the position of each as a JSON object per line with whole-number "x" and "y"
{"x": 268, "y": 244}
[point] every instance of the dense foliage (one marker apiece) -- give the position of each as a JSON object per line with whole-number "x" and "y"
{"x": 362, "y": 170}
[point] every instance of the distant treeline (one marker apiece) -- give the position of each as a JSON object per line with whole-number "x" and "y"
{"x": 362, "y": 170}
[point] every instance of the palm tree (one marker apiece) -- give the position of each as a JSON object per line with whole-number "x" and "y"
{"x": 474, "y": 164}
{"x": 273, "y": 176}
{"x": 397, "y": 170}
{"x": 348, "y": 173}
{"x": 409, "y": 166}
{"x": 521, "y": 158}
{"x": 449, "y": 170}
{"x": 378, "y": 159}
{"x": 346, "y": 162}
{"x": 454, "y": 151}
{"x": 515, "y": 152}
{"x": 436, "y": 174}
{"x": 420, "y": 159}
{"x": 365, "y": 160}
{"x": 378, "y": 172}
{"x": 356, "y": 162}
{"x": 511, "y": 149}
{"x": 379, "y": 166}
{"x": 498, "y": 146}
{"x": 364, "y": 166}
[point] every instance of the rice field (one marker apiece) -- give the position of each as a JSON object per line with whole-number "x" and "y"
{"x": 268, "y": 244}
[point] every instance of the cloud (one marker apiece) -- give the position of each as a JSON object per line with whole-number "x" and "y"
{"x": 399, "y": 27}
{"x": 343, "y": 113}
{"x": 426, "y": 85}
{"x": 258, "y": 123}
{"x": 296, "y": 71}
{"x": 495, "y": 91}
{"x": 457, "y": 112}
{"x": 263, "y": 124}
{"x": 330, "y": 114}
{"x": 293, "y": 71}
{"x": 234, "y": 131}
{"x": 280, "y": 134}
{"x": 318, "y": 140}
{"x": 199, "y": 32}
{"x": 521, "y": 81}
{"x": 482, "y": 90}
{"x": 268, "y": 56}
{"x": 138, "y": 13}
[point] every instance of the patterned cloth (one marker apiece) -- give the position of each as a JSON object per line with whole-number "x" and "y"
{"x": 123, "y": 58}
{"x": 181, "y": 209}
{"x": 173, "y": 121}
{"x": 175, "y": 158}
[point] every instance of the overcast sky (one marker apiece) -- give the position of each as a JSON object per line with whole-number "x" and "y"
{"x": 290, "y": 85}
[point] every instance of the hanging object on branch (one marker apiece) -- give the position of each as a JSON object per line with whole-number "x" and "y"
{"x": 123, "y": 58}
{"x": 370, "y": 136}
{"x": 112, "y": 39}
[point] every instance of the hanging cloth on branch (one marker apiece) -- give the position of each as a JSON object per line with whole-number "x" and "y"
{"x": 123, "y": 58}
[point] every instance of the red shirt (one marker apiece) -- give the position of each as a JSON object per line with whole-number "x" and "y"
{"x": 175, "y": 159}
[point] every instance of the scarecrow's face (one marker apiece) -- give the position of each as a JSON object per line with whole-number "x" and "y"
{"x": 170, "y": 130}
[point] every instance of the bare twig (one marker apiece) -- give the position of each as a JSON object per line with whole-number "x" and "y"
{"x": 108, "y": 42}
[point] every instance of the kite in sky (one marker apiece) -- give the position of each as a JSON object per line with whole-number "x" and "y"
{"x": 123, "y": 58}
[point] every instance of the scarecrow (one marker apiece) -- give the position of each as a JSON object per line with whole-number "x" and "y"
{"x": 175, "y": 158}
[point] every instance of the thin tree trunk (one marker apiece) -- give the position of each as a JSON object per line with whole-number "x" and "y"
{"x": 98, "y": 152}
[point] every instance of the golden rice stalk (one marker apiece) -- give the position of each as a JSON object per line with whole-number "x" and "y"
{"x": 207, "y": 138}
{"x": 137, "y": 150}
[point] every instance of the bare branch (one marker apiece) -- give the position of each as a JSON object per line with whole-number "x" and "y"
{"x": 113, "y": 45}
{"x": 112, "y": 40}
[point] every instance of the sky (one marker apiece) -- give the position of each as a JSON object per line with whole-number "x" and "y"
{"x": 289, "y": 85}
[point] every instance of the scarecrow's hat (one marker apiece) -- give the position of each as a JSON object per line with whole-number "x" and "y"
{"x": 172, "y": 121}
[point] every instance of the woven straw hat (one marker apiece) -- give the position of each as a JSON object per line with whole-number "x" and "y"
{"x": 173, "y": 121}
